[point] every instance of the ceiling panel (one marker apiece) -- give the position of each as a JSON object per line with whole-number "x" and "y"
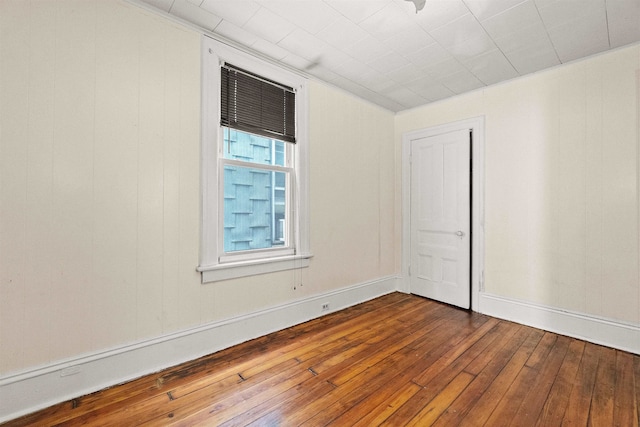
{"x": 342, "y": 33}
{"x": 388, "y": 61}
{"x": 437, "y": 13}
{"x": 458, "y": 31}
{"x": 192, "y": 13}
{"x": 624, "y": 22}
{"x": 513, "y": 20}
{"x": 463, "y": 81}
{"x": 313, "y": 16}
{"x": 385, "y": 52}
{"x": 304, "y": 44}
{"x": 429, "y": 55}
{"x": 269, "y": 49}
{"x": 491, "y": 67}
{"x": 235, "y": 33}
{"x": 579, "y": 40}
{"x": 472, "y": 47}
{"x": 484, "y": 9}
{"x": 357, "y": 11}
{"x": 560, "y": 13}
{"x": 435, "y": 92}
{"x": 441, "y": 70}
{"x": 238, "y": 15}
{"x": 527, "y": 61}
{"x": 268, "y": 25}
{"x": 409, "y": 40}
{"x": 387, "y": 22}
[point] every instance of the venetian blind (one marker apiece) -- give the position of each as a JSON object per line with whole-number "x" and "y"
{"x": 257, "y": 105}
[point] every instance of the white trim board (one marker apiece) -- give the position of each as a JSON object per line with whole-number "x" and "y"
{"x": 607, "y": 332}
{"x": 29, "y": 391}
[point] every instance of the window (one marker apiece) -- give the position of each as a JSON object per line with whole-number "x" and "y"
{"x": 254, "y": 166}
{"x": 256, "y": 180}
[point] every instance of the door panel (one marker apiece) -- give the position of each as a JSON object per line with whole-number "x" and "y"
{"x": 440, "y": 217}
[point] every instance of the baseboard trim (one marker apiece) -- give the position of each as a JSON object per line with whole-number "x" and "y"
{"x": 29, "y": 391}
{"x": 611, "y": 333}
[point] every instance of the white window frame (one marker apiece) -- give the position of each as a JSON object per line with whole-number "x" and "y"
{"x": 275, "y": 251}
{"x": 214, "y": 264}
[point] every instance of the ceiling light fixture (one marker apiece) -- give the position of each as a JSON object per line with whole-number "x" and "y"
{"x": 418, "y": 3}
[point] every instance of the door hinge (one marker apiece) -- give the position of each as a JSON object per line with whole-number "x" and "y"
{"x": 482, "y": 281}
{"x": 409, "y": 270}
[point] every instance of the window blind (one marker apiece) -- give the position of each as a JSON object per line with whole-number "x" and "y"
{"x": 257, "y": 105}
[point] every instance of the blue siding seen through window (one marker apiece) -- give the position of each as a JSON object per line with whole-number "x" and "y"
{"x": 254, "y": 198}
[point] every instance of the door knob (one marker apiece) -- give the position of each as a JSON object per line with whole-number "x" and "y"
{"x": 459, "y": 233}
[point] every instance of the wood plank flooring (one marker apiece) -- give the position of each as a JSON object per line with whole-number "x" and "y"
{"x": 397, "y": 360}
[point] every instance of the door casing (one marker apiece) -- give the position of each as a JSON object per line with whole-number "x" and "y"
{"x": 476, "y": 125}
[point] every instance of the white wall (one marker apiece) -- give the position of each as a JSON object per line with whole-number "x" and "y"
{"x": 561, "y": 183}
{"x": 99, "y": 186}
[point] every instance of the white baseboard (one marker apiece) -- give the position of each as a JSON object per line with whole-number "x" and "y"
{"x": 610, "y": 333}
{"x": 39, "y": 388}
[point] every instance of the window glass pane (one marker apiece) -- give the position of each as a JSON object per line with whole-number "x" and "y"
{"x": 254, "y": 208}
{"x": 247, "y": 147}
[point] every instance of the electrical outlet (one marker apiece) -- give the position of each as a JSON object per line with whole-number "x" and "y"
{"x": 325, "y": 306}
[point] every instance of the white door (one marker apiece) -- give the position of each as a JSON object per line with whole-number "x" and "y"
{"x": 441, "y": 218}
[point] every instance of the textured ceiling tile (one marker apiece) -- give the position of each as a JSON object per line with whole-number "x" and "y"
{"x": 342, "y": 33}
{"x": 365, "y": 50}
{"x": 530, "y": 38}
{"x": 323, "y": 73}
{"x": 303, "y": 44}
{"x": 388, "y": 62}
{"x": 387, "y": 22}
{"x": 312, "y": 15}
{"x": 357, "y": 11}
{"x": 298, "y": 62}
{"x": 492, "y": 67}
{"x": 462, "y": 82}
{"x": 365, "y": 93}
{"x": 512, "y": 21}
{"x": 624, "y": 21}
{"x": 405, "y": 97}
{"x": 576, "y": 27}
{"x": 334, "y": 59}
{"x": 527, "y": 61}
{"x": 236, "y": 12}
{"x": 269, "y": 26}
{"x": 578, "y": 40}
{"x": 445, "y": 68}
{"x": 409, "y": 40}
{"x": 563, "y": 13}
{"x": 484, "y": 9}
{"x": 435, "y": 92}
{"x": 472, "y": 47}
{"x": 407, "y": 73}
{"x": 269, "y": 49}
{"x": 235, "y": 33}
{"x": 429, "y": 55}
{"x": 437, "y": 13}
{"x": 352, "y": 69}
{"x": 458, "y": 31}
{"x": 377, "y": 82}
{"x": 192, "y": 13}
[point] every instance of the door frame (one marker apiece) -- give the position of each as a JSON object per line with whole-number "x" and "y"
{"x": 476, "y": 124}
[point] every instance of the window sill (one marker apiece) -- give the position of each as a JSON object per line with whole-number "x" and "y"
{"x": 233, "y": 270}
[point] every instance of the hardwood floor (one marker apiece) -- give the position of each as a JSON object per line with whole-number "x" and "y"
{"x": 396, "y": 360}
